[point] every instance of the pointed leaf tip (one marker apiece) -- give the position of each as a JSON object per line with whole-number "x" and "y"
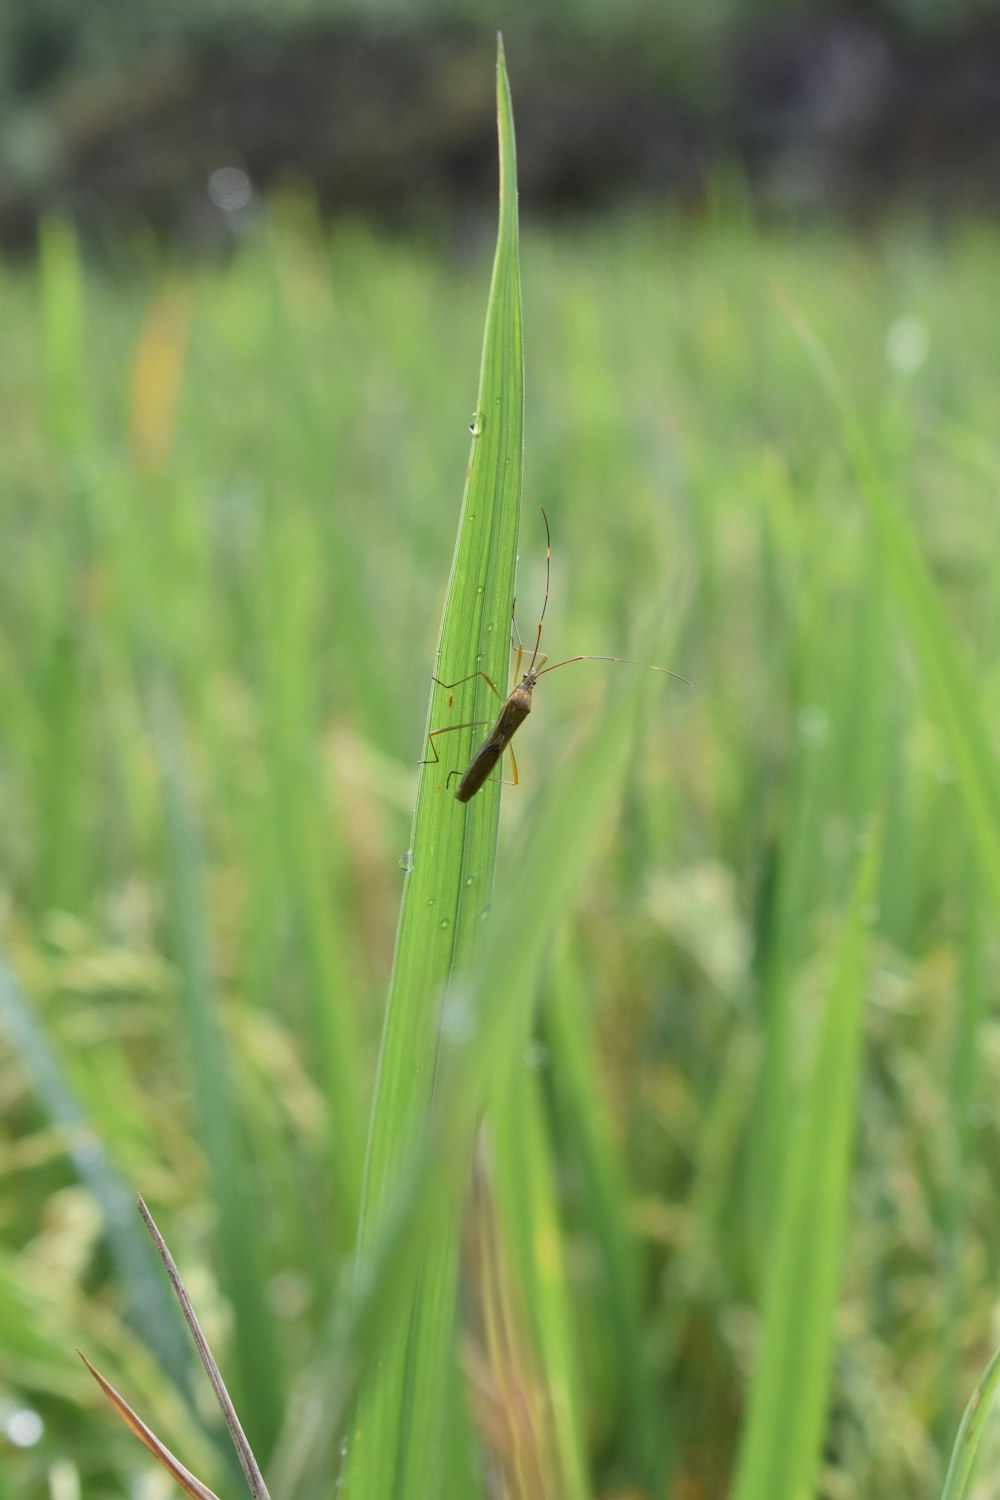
{"x": 188, "y": 1482}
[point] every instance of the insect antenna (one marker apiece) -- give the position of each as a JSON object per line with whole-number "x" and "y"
{"x": 548, "y": 580}
{"x": 626, "y": 659}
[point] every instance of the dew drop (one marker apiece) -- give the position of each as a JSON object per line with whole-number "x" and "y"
{"x": 907, "y": 345}
{"x": 444, "y": 924}
{"x": 23, "y": 1427}
{"x": 536, "y": 1056}
{"x": 813, "y": 724}
{"x": 406, "y": 861}
{"x": 230, "y": 189}
{"x": 458, "y": 1021}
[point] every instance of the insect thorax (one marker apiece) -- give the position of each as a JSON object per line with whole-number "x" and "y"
{"x": 520, "y": 698}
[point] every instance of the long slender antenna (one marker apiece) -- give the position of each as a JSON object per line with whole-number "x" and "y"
{"x": 548, "y": 580}
{"x": 626, "y": 659}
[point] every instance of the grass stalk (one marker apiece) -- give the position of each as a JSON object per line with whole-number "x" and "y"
{"x": 449, "y": 881}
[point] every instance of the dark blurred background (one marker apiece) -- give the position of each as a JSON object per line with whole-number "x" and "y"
{"x": 175, "y": 118}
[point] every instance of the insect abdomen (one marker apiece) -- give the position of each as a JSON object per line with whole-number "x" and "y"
{"x": 477, "y": 772}
{"x": 511, "y": 716}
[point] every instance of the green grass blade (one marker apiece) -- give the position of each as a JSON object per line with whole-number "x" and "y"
{"x": 449, "y": 882}
{"x": 488, "y": 1027}
{"x": 301, "y": 823}
{"x": 523, "y": 1172}
{"x": 943, "y": 666}
{"x": 966, "y": 1063}
{"x": 150, "y": 1309}
{"x": 63, "y": 338}
{"x": 585, "y": 1127}
{"x": 781, "y": 1443}
{"x": 970, "y": 1433}
{"x": 70, "y": 432}
{"x": 220, "y": 1129}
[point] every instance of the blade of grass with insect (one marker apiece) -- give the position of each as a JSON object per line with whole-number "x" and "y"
{"x": 495, "y": 1009}
{"x": 780, "y": 1447}
{"x": 448, "y": 883}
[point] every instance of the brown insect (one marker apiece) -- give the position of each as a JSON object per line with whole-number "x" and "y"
{"x": 517, "y": 706}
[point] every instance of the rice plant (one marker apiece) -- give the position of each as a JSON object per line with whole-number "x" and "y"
{"x": 665, "y": 1168}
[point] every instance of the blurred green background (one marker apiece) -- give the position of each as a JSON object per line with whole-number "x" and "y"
{"x": 235, "y": 422}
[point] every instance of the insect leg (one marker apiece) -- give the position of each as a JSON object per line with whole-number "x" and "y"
{"x": 447, "y": 729}
{"x": 516, "y": 641}
{"x": 513, "y": 766}
{"x": 460, "y": 680}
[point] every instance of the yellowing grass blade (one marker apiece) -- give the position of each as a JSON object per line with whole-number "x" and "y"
{"x": 244, "y": 1452}
{"x": 173, "y": 1466}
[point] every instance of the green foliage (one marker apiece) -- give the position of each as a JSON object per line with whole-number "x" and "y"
{"x": 970, "y": 1433}
{"x": 790, "y": 1390}
{"x": 736, "y": 1104}
{"x": 447, "y": 891}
